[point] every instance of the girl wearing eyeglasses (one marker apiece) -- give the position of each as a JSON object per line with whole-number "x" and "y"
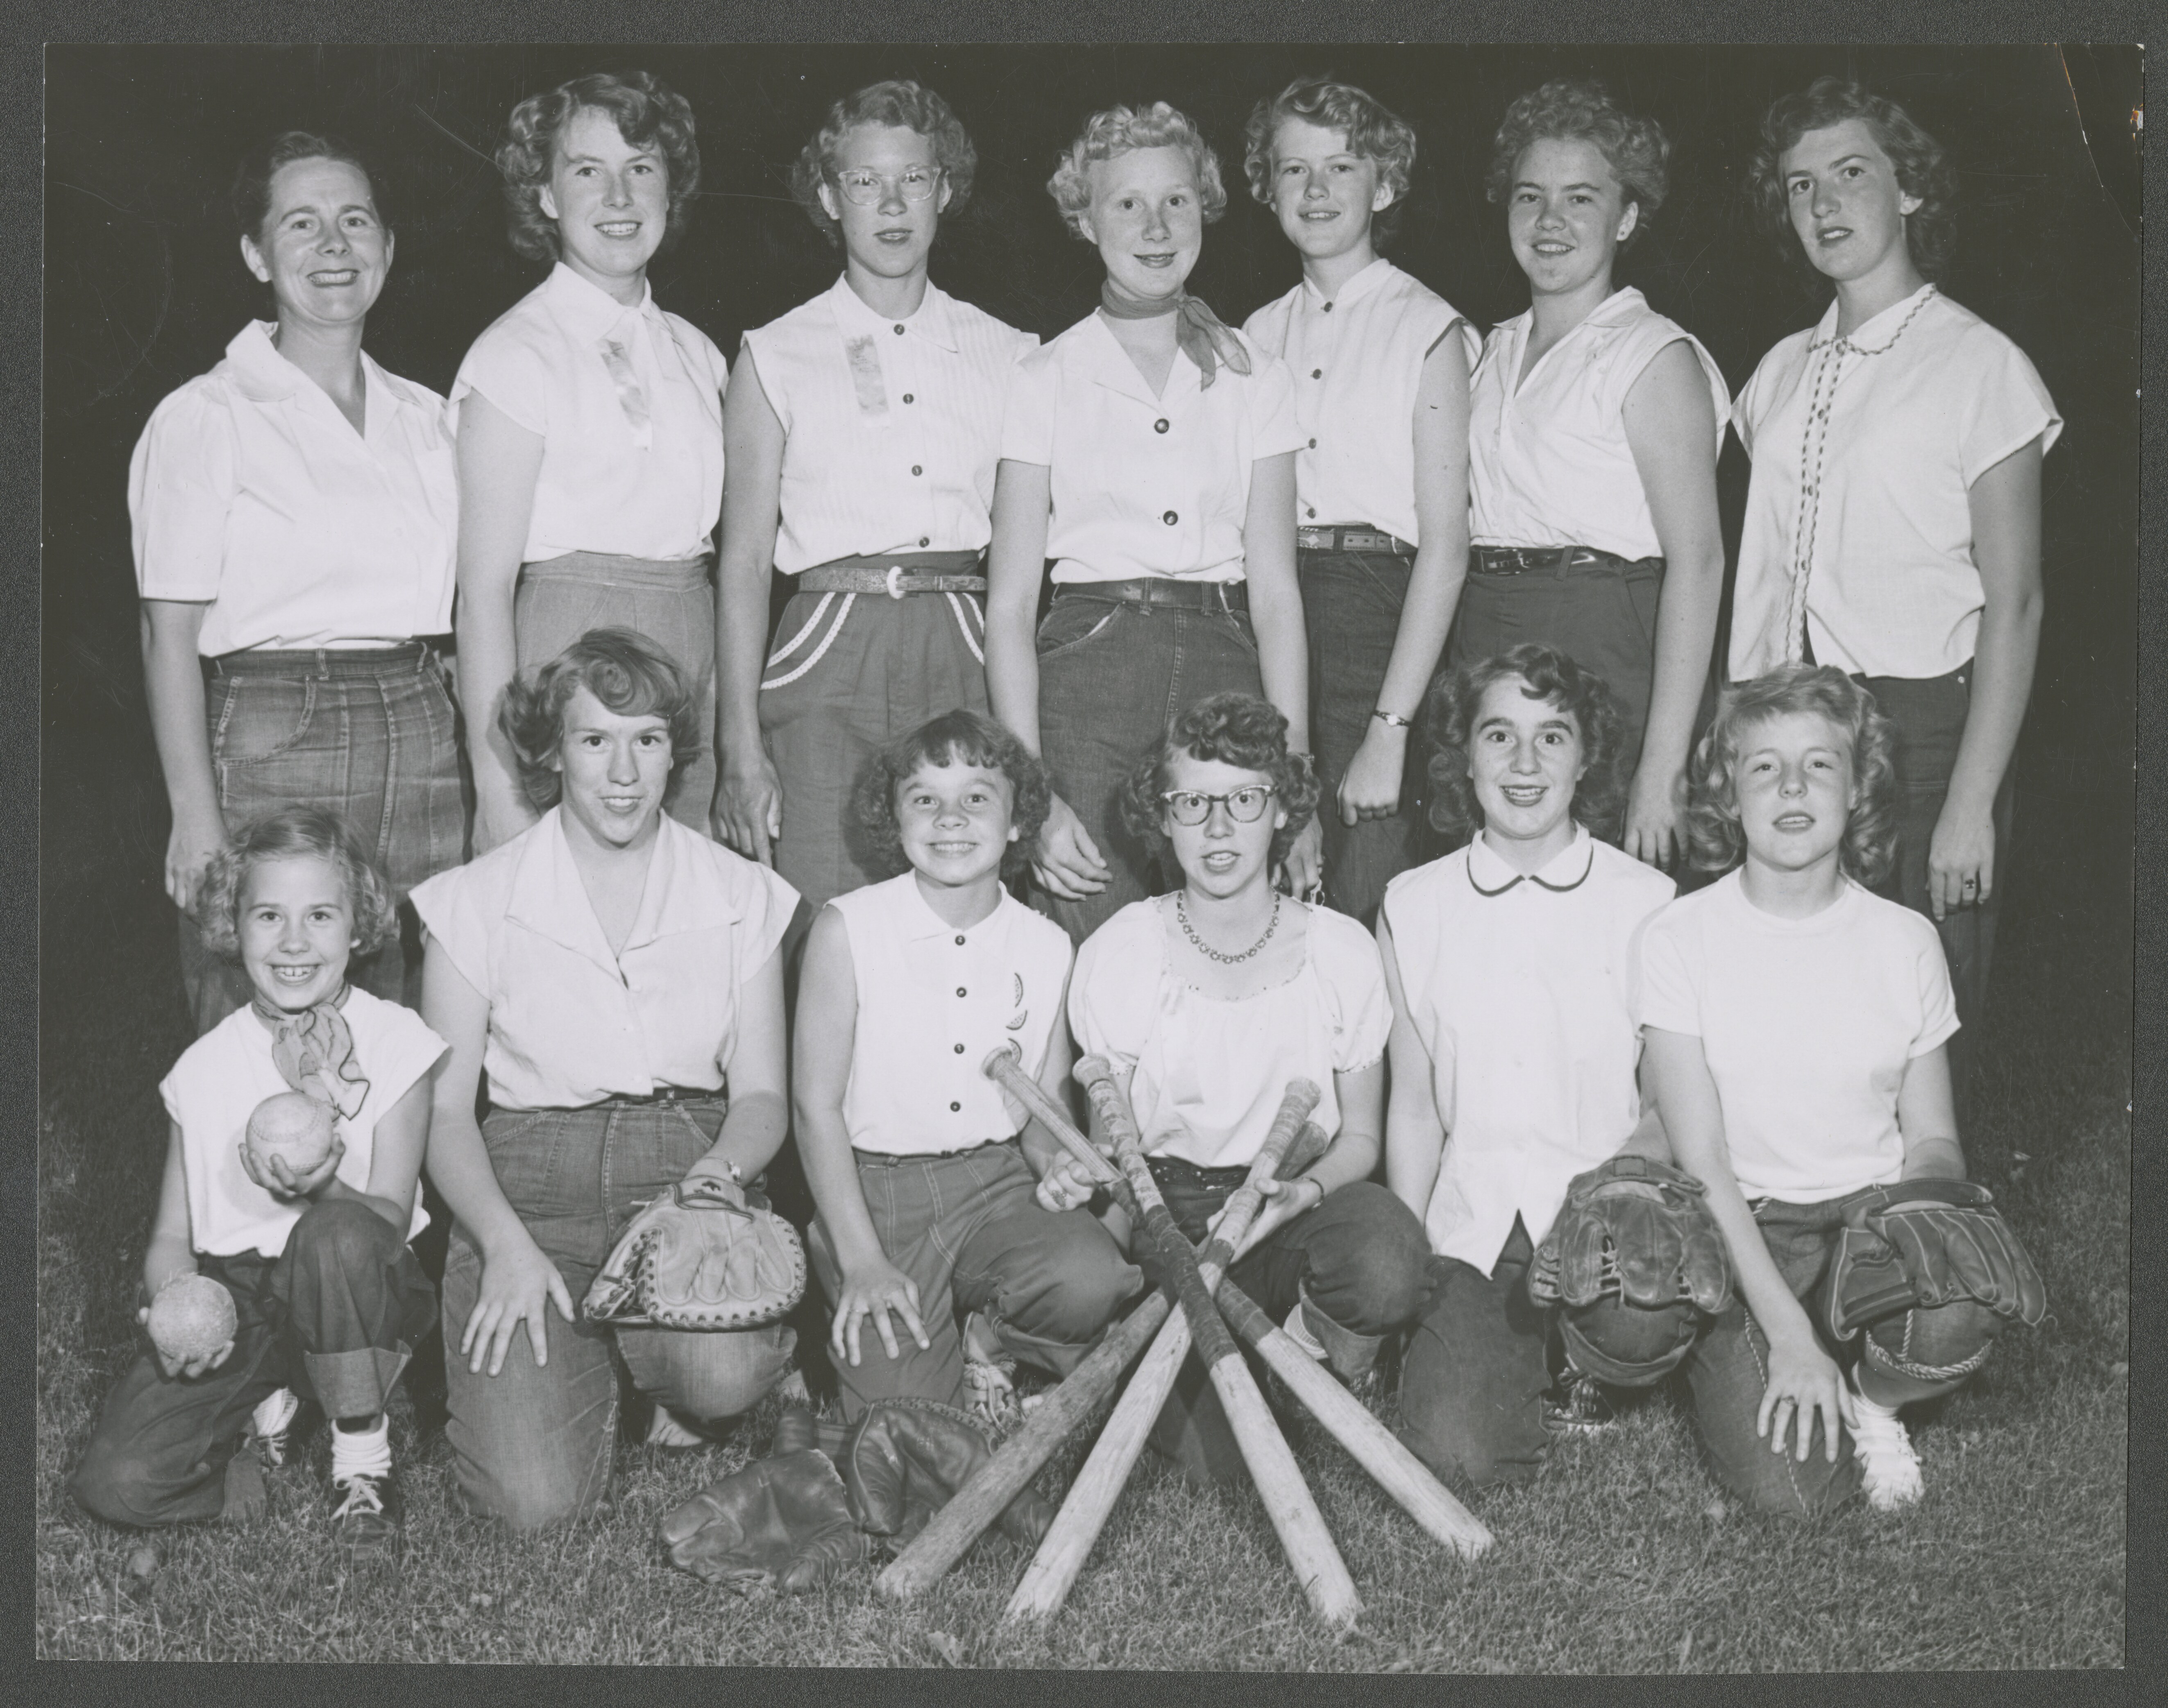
{"x": 864, "y": 431}
{"x": 1208, "y": 1002}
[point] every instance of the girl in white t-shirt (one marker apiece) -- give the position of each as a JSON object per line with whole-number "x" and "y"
{"x": 938, "y": 1229}
{"x": 1795, "y": 1027}
{"x": 329, "y": 1297}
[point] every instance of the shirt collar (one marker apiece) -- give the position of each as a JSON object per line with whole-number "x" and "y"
{"x": 586, "y": 309}
{"x": 549, "y": 898}
{"x": 922, "y": 924}
{"x": 1565, "y": 870}
{"x": 931, "y": 320}
{"x": 263, "y": 375}
{"x": 1109, "y": 363}
{"x": 1870, "y": 336}
{"x": 1370, "y": 279}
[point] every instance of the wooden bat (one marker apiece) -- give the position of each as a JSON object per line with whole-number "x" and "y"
{"x": 1308, "y": 1546}
{"x": 1068, "y": 1543}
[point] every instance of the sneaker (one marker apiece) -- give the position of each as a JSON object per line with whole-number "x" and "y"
{"x": 1299, "y": 1331}
{"x": 669, "y": 1436}
{"x": 365, "y": 1513}
{"x": 273, "y": 1426}
{"x": 989, "y": 1394}
{"x": 1577, "y": 1406}
{"x": 1889, "y": 1470}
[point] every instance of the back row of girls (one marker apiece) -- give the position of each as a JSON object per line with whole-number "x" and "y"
{"x": 1305, "y": 508}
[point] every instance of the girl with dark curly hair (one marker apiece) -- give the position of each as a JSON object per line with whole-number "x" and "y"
{"x": 1892, "y": 521}
{"x": 1594, "y": 424}
{"x": 1149, "y": 453}
{"x": 1380, "y": 364}
{"x": 293, "y": 513}
{"x": 328, "y": 1295}
{"x": 940, "y": 1223}
{"x": 590, "y": 426}
{"x": 1208, "y": 1002}
{"x": 1514, "y": 1059}
{"x": 864, "y": 431}
{"x": 617, "y": 978}
{"x": 1796, "y": 1027}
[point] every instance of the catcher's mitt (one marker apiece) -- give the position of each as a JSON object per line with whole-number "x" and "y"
{"x": 706, "y": 1255}
{"x": 1636, "y": 1229}
{"x": 1928, "y": 1243}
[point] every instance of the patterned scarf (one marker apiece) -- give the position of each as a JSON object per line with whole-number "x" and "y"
{"x": 317, "y": 1044}
{"x": 1202, "y": 337}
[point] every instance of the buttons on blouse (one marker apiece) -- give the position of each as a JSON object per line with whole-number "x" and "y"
{"x": 960, "y": 1049}
{"x": 1317, "y": 373}
{"x": 1310, "y": 511}
{"x": 1169, "y": 518}
{"x": 960, "y": 990}
{"x": 1313, "y": 444}
{"x": 959, "y": 942}
{"x": 1161, "y": 425}
{"x": 1328, "y": 310}
{"x": 955, "y": 1108}
{"x": 907, "y": 398}
{"x": 924, "y": 541}
{"x": 917, "y": 469}
{"x": 899, "y": 325}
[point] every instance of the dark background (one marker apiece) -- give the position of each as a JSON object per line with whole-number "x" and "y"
{"x": 145, "y": 284}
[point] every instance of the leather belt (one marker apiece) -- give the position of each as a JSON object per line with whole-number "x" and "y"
{"x": 1162, "y": 589}
{"x": 295, "y": 664}
{"x": 662, "y": 1096}
{"x": 1352, "y": 540}
{"x": 896, "y": 581}
{"x": 1549, "y": 560}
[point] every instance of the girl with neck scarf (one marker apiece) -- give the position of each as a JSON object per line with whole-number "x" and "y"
{"x": 1148, "y": 453}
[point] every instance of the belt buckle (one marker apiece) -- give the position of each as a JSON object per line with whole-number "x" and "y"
{"x": 893, "y": 580}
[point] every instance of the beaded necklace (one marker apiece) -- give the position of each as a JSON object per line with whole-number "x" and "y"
{"x": 1181, "y": 919}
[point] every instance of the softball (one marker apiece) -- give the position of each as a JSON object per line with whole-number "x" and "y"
{"x": 292, "y": 1126}
{"x": 192, "y": 1317}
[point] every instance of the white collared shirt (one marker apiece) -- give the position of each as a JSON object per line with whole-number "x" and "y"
{"x": 1524, "y": 998}
{"x": 250, "y": 491}
{"x": 934, "y": 1002}
{"x": 893, "y": 428}
{"x": 608, "y": 483}
{"x": 1921, "y": 402}
{"x": 1548, "y": 460}
{"x": 224, "y": 1074}
{"x": 570, "y": 1023}
{"x": 1357, "y": 361}
{"x": 1808, "y": 1026}
{"x": 1144, "y": 486}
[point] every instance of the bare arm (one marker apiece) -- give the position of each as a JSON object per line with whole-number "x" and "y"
{"x": 171, "y": 1254}
{"x": 174, "y": 684}
{"x": 1926, "y": 1117}
{"x": 1670, "y": 426}
{"x": 1414, "y": 1131}
{"x": 749, "y": 812}
{"x": 759, "y": 1080}
{"x": 499, "y": 462}
{"x": 1283, "y": 643}
{"x": 1372, "y": 788}
{"x": 2005, "y": 502}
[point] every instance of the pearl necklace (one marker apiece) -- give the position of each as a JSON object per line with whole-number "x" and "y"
{"x": 1181, "y": 919}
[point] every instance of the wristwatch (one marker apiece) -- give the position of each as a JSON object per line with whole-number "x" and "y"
{"x": 1392, "y": 718}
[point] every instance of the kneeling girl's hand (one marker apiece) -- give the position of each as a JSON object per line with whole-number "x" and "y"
{"x": 1803, "y": 1380}
{"x": 873, "y": 1290}
{"x": 283, "y": 1181}
{"x": 1064, "y": 1187}
{"x": 518, "y": 1285}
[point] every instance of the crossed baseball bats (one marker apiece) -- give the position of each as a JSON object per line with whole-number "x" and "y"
{"x": 1200, "y": 1287}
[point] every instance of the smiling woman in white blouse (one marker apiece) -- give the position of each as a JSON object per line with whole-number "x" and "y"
{"x": 292, "y": 514}
{"x": 1594, "y": 428}
{"x": 590, "y": 426}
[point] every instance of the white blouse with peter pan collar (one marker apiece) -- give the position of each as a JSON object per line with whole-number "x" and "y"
{"x": 633, "y": 472}
{"x": 250, "y": 491}
{"x": 1144, "y": 486}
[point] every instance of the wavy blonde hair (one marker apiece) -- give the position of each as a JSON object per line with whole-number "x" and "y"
{"x": 1121, "y": 130}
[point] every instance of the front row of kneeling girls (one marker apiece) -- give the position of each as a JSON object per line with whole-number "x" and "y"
{"x": 619, "y": 981}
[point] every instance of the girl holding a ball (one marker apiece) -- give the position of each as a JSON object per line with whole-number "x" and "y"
{"x": 279, "y": 1255}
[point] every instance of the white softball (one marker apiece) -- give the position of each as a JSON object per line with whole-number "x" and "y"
{"x": 294, "y": 1127}
{"x": 192, "y": 1317}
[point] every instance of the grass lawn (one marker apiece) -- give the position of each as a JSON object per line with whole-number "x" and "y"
{"x": 1624, "y": 1557}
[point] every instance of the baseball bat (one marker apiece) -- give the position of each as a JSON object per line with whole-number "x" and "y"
{"x": 1068, "y": 1542}
{"x": 1307, "y": 1543}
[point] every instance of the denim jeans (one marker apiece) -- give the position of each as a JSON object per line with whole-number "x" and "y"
{"x": 1602, "y": 616}
{"x": 1357, "y": 1263}
{"x": 1111, "y": 677}
{"x": 1351, "y": 604}
{"x": 335, "y": 1315}
{"x": 369, "y": 735}
{"x": 1473, "y": 1379}
{"x": 968, "y": 1231}
{"x": 534, "y": 1443}
{"x": 671, "y": 604}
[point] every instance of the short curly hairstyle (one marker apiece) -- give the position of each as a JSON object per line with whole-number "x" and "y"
{"x": 1236, "y": 729}
{"x": 1923, "y": 170}
{"x": 1373, "y": 132}
{"x": 294, "y": 832}
{"x": 252, "y": 179}
{"x": 960, "y": 737}
{"x": 901, "y": 104}
{"x": 1121, "y": 130}
{"x": 630, "y": 675}
{"x": 1717, "y": 841}
{"x": 1449, "y": 712}
{"x": 1581, "y": 110}
{"x": 649, "y": 114}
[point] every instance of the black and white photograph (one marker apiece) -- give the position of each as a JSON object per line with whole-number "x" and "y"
{"x": 1207, "y": 857}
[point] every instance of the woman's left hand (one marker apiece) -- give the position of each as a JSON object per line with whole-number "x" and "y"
{"x": 1284, "y": 1200}
{"x": 1371, "y": 789}
{"x": 1960, "y": 860}
{"x": 282, "y": 1181}
{"x": 1304, "y": 865}
{"x": 1064, "y": 1186}
{"x": 1655, "y": 817}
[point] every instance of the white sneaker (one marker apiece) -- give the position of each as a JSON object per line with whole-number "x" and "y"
{"x": 1889, "y": 1468}
{"x": 1299, "y": 1332}
{"x": 272, "y": 1420}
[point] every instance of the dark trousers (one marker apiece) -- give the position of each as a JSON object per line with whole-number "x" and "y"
{"x": 1357, "y": 1263}
{"x": 335, "y": 1315}
{"x": 1351, "y": 603}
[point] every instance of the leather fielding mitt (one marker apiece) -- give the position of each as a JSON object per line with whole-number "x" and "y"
{"x": 706, "y": 1255}
{"x": 1928, "y": 1243}
{"x": 906, "y": 1459}
{"x": 1636, "y": 1228}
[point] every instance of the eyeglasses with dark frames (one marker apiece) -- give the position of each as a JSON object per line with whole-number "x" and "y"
{"x": 1245, "y": 806}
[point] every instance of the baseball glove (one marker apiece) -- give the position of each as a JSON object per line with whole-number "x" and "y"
{"x": 1928, "y": 1243}
{"x": 783, "y": 1523}
{"x": 905, "y": 1459}
{"x": 706, "y": 1255}
{"x": 1638, "y": 1230}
